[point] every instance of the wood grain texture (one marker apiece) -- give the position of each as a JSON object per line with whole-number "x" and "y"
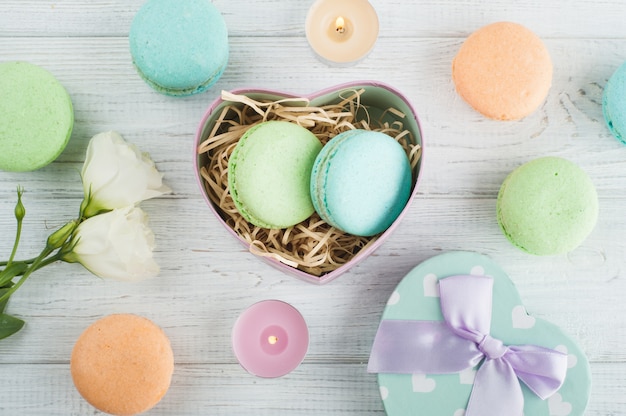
{"x": 269, "y": 18}
{"x": 207, "y": 279}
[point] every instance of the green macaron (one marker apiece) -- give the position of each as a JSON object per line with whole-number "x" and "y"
{"x": 547, "y": 206}
{"x": 36, "y": 117}
{"x": 269, "y": 173}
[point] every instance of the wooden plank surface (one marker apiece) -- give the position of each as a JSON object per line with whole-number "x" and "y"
{"x": 207, "y": 279}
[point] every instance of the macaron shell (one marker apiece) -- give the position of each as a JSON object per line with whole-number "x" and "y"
{"x": 122, "y": 364}
{"x": 547, "y": 206}
{"x": 614, "y": 103}
{"x": 179, "y": 47}
{"x": 503, "y": 70}
{"x": 320, "y": 172}
{"x": 36, "y": 117}
{"x": 361, "y": 182}
{"x": 269, "y": 174}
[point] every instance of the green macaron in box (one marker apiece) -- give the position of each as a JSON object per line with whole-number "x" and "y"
{"x": 456, "y": 340}
{"x": 311, "y": 184}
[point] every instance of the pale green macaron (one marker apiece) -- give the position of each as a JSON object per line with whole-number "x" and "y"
{"x": 547, "y": 206}
{"x": 36, "y": 117}
{"x": 269, "y": 173}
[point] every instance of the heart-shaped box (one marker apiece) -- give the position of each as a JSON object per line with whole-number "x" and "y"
{"x": 417, "y": 299}
{"x": 377, "y": 97}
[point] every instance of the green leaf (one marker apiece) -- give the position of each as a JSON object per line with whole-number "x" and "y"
{"x": 9, "y": 325}
{"x": 15, "y": 269}
{"x": 3, "y": 304}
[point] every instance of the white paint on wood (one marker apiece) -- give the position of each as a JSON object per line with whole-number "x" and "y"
{"x": 207, "y": 278}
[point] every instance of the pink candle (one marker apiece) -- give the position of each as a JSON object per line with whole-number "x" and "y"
{"x": 270, "y": 338}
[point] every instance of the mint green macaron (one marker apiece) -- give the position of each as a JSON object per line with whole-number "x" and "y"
{"x": 614, "y": 103}
{"x": 179, "y": 48}
{"x": 36, "y": 117}
{"x": 269, "y": 173}
{"x": 547, "y": 206}
{"x": 361, "y": 182}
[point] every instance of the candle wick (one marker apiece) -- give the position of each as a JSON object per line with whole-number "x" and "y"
{"x": 340, "y": 25}
{"x": 272, "y": 339}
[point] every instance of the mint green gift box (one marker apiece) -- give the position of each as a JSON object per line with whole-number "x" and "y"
{"x": 417, "y": 298}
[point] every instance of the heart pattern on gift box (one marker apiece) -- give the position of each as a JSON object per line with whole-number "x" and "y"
{"x": 477, "y": 271}
{"x": 521, "y": 319}
{"x": 572, "y": 360}
{"x": 558, "y": 407}
{"x": 384, "y": 392}
{"x": 417, "y": 298}
{"x": 422, "y": 384}
{"x": 430, "y": 285}
{"x": 467, "y": 376}
{"x": 394, "y": 298}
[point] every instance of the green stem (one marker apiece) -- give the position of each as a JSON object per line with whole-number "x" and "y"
{"x": 27, "y": 261}
{"x": 49, "y": 260}
{"x": 17, "y": 240}
{"x": 39, "y": 262}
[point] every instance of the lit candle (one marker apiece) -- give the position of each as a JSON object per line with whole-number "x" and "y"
{"x": 270, "y": 338}
{"x": 342, "y": 31}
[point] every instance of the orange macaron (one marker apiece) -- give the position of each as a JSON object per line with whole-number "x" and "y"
{"x": 503, "y": 70}
{"x": 122, "y": 364}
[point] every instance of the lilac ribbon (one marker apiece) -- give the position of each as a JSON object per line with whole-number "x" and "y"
{"x": 461, "y": 342}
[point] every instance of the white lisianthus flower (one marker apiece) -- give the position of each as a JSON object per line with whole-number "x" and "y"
{"x": 116, "y": 174}
{"x": 116, "y": 245}
{"x": 110, "y": 237}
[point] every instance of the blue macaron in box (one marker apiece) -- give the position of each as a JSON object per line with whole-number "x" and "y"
{"x": 456, "y": 340}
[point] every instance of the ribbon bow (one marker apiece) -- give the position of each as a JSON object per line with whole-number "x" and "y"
{"x": 462, "y": 341}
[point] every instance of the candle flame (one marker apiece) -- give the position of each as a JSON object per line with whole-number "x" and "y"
{"x": 340, "y": 24}
{"x": 272, "y": 339}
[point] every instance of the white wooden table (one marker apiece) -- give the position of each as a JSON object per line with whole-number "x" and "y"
{"x": 208, "y": 279}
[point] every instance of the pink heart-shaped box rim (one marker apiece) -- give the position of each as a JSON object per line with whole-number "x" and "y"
{"x": 363, "y": 253}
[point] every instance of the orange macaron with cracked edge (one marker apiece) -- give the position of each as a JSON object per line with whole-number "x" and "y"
{"x": 122, "y": 364}
{"x": 503, "y": 70}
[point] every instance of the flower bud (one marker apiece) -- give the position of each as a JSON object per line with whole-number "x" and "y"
{"x": 20, "y": 211}
{"x": 60, "y": 236}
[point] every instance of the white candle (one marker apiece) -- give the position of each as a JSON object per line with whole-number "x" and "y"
{"x": 342, "y": 31}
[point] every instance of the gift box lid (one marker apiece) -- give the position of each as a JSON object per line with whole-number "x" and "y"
{"x": 417, "y": 304}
